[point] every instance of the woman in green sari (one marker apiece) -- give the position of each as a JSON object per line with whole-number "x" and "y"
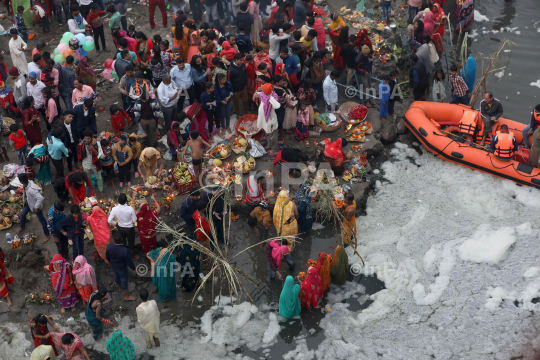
{"x": 289, "y": 300}
{"x": 189, "y": 258}
{"x": 95, "y": 313}
{"x": 339, "y": 267}
{"x": 163, "y": 274}
{"x": 42, "y": 158}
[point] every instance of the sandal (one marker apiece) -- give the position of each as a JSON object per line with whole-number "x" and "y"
{"x": 307, "y": 143}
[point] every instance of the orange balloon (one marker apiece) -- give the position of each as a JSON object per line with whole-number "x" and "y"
{"x": 68, "y": 52}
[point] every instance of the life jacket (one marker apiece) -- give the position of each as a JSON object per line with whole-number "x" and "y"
{"x": 504, "y": 149}
{"x": 467, "y": 124}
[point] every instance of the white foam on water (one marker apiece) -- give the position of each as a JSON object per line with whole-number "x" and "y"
{"x": 487, "y": 245}
{"x": 473, "y": 34}
{"x": 531, "y": 272}
{"x": 479, "y": 17}
{"x": 499, "y": 74}
{"x": 518, "y": 32}
{"x": 536, "y": 83}
{"x": 496, "y": 297}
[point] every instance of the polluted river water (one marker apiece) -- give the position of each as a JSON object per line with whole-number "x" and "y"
{"x": 451, "y": 258}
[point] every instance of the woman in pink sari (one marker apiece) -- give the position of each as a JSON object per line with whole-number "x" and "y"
{"x": 71, "y": 344}
{"x": 62, "y": 282}
{"x": 321, "y": 35}
{"x": 100, "y": 228}
{"x": 85, "y": 278}
{"x": 311, "y": 289}
{"x": 429, "y": 23}
{"x": 198, "y": 118}
{"x": 278, "y": 251}
{"x": 194, "y": 41}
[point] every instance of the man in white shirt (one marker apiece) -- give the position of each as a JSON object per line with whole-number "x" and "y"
{"x": 78, "y": 23}
{"x": 125, "y": 221}
{"x": 33, "y": 88}
{"x": 181, "y": 76}
{"x": 34, "y": 65}
{"x": 275, "y": 39}
{"x": 148, "y": 318}
{"x": 168, "y": 97}
{"x": 330, "y": 91}
{"x": 17, "y": 46}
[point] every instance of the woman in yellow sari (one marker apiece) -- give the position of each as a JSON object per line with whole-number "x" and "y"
{"x": 285, "y": 214}
{"x": 180, "y": 38}
{"x": 335, "y": 26}
{"x": 349, "y": 223}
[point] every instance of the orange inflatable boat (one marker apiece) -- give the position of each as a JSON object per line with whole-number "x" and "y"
{"x": 453, "y": 133}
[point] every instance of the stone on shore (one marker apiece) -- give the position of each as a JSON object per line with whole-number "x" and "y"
{"x": 389, "y": 133}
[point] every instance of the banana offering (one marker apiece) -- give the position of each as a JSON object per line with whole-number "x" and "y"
{"x": 182, "y": 174}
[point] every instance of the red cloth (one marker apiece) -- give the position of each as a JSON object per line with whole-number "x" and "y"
{"x": 33, "y": 131}
{"x": 227, "y": 51}
{"x": 338, "y": 59}
{"x": 333, "y": 150}
{"x": 152, "y": 8}
{"x": 201, "y": 224}
{"x": 7, "y": 280}
{"x": 278, "y": 158}
{"x": 440, "y": 23}
{"x": 321, "y": 35}
{"x": 311, "y": 289}
{"x": 19, "y": 141}
{"x": 198, "y": 118}
{"x": 146, "y": 223}
{"x": 79, "y": 191}
{"x": 119, "y": 121}
{"x": 8, "y": 102}
{"x": 43, "y": 330}
{"x": 250, "y": 69}
{"x": 362, "y": 39}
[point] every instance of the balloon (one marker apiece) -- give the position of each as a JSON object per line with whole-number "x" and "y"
{"x": 89, "y": 38}
{"x": 108, "y": 63}
{"x": 112, "y": 66}
{"x": 81, "y": 38}
{"x": 68, "y": 52}
{"x": 114, "y": 75}
{"x": 64, "y": 41}
{"x": 55, "y": 52}
{"x": 107, "y": 74}
{"x": 67, "y": 36}
{"x": 88, "y": 46}
{"x": 61, "y": 48}
{"x": 59, "y": 58}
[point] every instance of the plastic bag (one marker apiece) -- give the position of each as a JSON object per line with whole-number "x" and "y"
{"x": 168, "y": 155}
{"x": 257, "y": 150}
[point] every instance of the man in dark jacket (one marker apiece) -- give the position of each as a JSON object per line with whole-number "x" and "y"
{"x": 187, "y": 209}
{"x": 349, "y": 53}
{"x": 68, "y": 76}
{"x": 238, "y": 78}
{"x": 243, "y": 17}
{"x": 364, "y": 65}
{"x": 300, "y": 13}
{"x": 85, "y": 118}
{"x": 69, "y": 137}
{"x": 491, "y": 110}
{"x": 418, "y": 78}
{"x": 72, "y": 226}
{"x": 120, "y": 260}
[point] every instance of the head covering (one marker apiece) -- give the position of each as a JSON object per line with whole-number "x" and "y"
{"x": 227, "y": 51}
{"x": 415, "y": 43}
{"x": 289, "y": 300}
{"x": 362, "y": 39}
{"x": 280, "y": 70}
{"x": 333, "y": 150}
{"x": 263, "y": 204}
{"x": 13, "y": 71}
{"x": 146, "y": 224}
{"x": 278, "y": 251}
{"x": 339, "y": 267}
{"x": 32, "y": 74}
{"x": 266, "y": 94}
{"x": 268, "y": 89}
{"x": 85, "y": 274}
{"x": 429, "y": 22}
{"x": 98, "y": 222}
{"x": 57, "y": 259}
{"x": 365, "y": 50}
{"x": 323, "y": 268}
{"x": 193, "y": 110}
{"x": 311, "y": 289}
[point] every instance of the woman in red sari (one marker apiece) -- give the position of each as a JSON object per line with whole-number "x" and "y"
{"x": 262, "y": 57}
{"x": 62, "y": 282}
{"x": 311, "y": 289}
{"x": 339, "y": 38}
{"x": 146, "y": 224}
{"x": 280, "y": 70}
{"x": 99, "y": 225}
{"x": 323, "y": 268}
{"x": 440, "y": 23}
{"x": 5, "y": 279}
{"x": 363, "y": 39}
{"x": 198, "y": 118}
{"x": 250, "y": 69}
{"x": 321, "y": 35}
{"x": 31, "y": 119}
{"x": 39, "y": 330}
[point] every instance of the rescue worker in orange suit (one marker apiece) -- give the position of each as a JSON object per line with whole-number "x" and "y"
{"x": 504, "y": 145}
{"x": 529, "y": 129}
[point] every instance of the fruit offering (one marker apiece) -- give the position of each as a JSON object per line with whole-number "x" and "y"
{"x": 182, "y": 174}
{"x": 244, "y": 163}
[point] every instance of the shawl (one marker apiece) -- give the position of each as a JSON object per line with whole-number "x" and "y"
{"x": 323, "y": 268}
{"x": 333, "y": 150}
{"x": 162, "y": 276}
{"x": 120, "y": 347}
{"x": 339, "y": 267}
{"x": 149, "y": 157}
{"x": 469, "y": 72}
{"x": 85, "y": 72}
{"x": 68, "y": 349}
{"x": 321, "y": 35}
{"x": 198, "y": 118}
{"x": 262, "y": 59}
{"x": 146, "y": 221}
{"x": 311, "y": 290}
{"x": 42, "y": 351}
{"x": 59, "y": 277}
{"x": 100, "y": 228}
{"x": 280, "y": 70}
{"x": 289, "y": 300}
{"x": 227, "y": 51}
{"x": 148, "y": 316}
{"x": 173, "y": 135}
{"x": 336, "y": 22}
{"x": 429, "y": 23}
{"x": 84, "y": 275}
{"x": 282, "y": 211}
{"x": 304, "y": 195}
{"x": 278, "y": 251}
{"x": 265, "y": 99}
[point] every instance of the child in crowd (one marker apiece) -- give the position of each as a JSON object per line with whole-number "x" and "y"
{"x": 21, "y": 26}
{"x": 384, "y": 97}
{"x": 119, "y": 118}
{"x": 61, "y": 190}
{"x": 460, "y": 90}
{"x": 302, "y": 123}
{"x": 439, "y": 89}
{"x": 107, "y": 161}
{"x": 95, "y": 20}
{"x": 18, "y": 139}
{"x": 208, "y": 100}
{"x": 196, "y": 143}
{"x": 29, "y": 167}
{"x": 7, "y": 101}
{"x": 114, "y": 21}
{"x": 174, "y": 139}
{"x": 263, "y": 219}
{"x": 157, "y": 39}
{"x": 131, "y": 31}
{"x": 136, "y": 150}
{"x": 166, "y": 52}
